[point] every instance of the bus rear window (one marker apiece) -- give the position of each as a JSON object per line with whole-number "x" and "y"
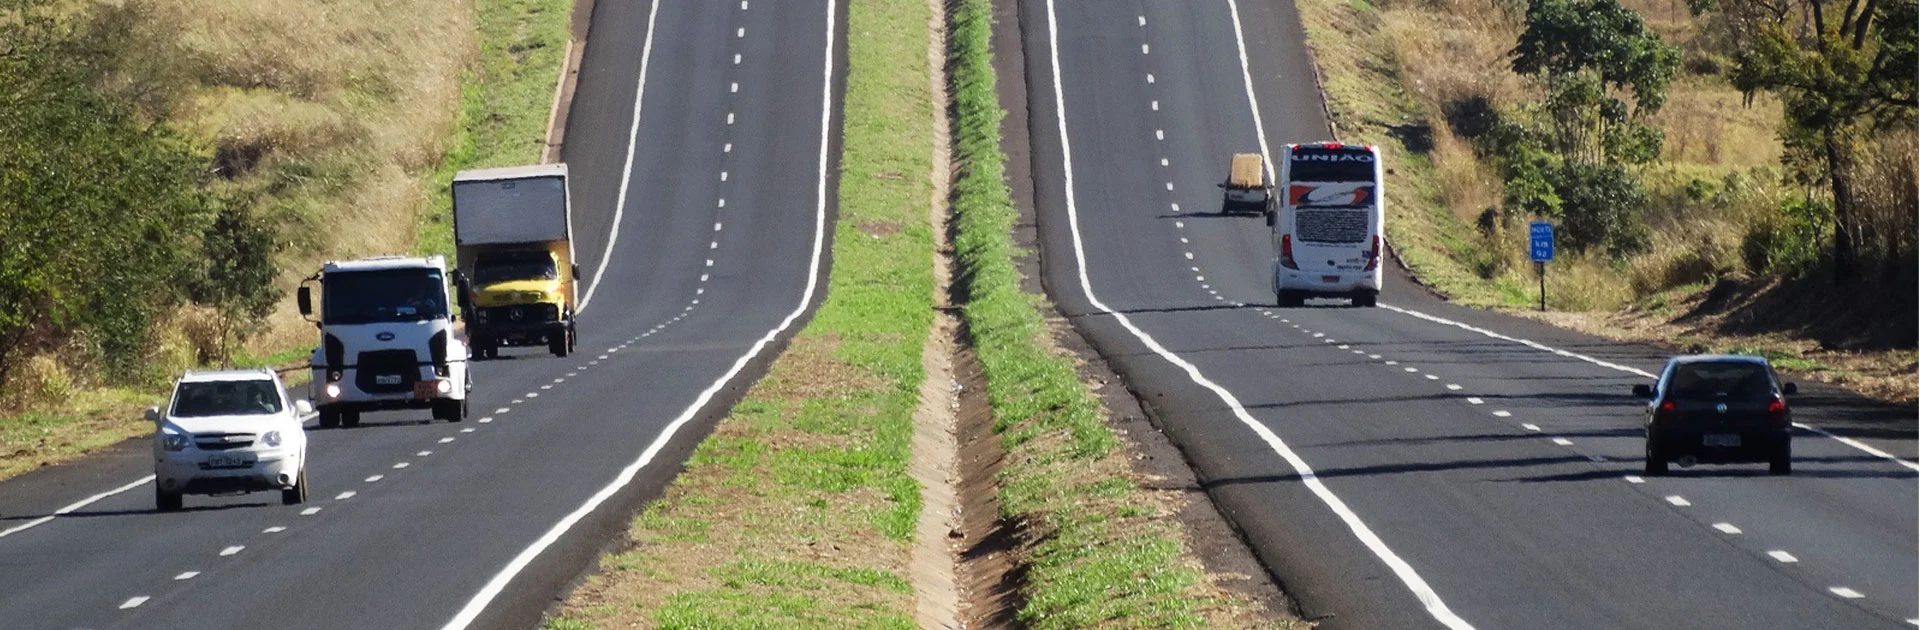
{"x": 1331, "y": 165}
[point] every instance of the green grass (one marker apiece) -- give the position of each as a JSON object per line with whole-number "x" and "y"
{"x": 1093, "y": 557}
{"x": 504, "y": 103}
{"x": 815, "y": 457}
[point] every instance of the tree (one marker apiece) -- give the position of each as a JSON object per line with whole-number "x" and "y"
{"x": 238, "y": 276}
{"x": 1841, "y": 72}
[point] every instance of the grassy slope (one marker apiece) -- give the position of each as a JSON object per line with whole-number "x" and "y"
{"x": 502, "y": 117}
{"x": 797, "y": 511}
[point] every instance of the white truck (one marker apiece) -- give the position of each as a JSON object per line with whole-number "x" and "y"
{"x": 1328, "y": 234}
{"x": 513, "y": 227}
{"x": 387, "y": 340}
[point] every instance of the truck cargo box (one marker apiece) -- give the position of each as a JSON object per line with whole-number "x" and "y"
{"x": 520, "y": 204}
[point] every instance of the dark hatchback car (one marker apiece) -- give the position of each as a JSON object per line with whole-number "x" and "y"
{"x": 1718, "y": 409}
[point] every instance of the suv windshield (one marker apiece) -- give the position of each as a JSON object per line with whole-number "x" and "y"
{"x": 225, "y": 398}
{"x": 1736, "y": 381}
{"x": 388, "y": 295}
{"x": 504, "y": 268}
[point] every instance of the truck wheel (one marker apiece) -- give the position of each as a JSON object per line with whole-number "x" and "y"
{"x": 297, "y": 494}
{"x": 329, "y": 419}
{"x": 167, "y": 501}
{"x": 449, "y": 409}
{"x": 349, "y": 418}
{"x": 560, "y": 344}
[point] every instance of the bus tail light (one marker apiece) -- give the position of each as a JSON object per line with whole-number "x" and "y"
{"x": 1373, "y": 255}
{"x": 1286, "y": 252}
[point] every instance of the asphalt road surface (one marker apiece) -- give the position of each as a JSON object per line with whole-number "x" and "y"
{"x": 700, "y": 148}
{"x": 1417, "y": 464}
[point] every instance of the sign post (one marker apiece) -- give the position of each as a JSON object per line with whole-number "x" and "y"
{"x": 1540, "y": 245}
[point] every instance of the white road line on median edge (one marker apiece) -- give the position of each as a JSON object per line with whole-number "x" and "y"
{"x": 1726, "y": 528}
{"x": 1856, "y": 444}
{"x": 1401, "y": 569}
{"x": 498, "y": 582}
{"x": 1782, "y": 556}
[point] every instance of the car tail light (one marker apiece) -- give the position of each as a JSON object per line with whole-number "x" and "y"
{"x": 1665, "y": 411}
{"x": 1286, "y": 252}
{"x": 1777, "y": 411}
{"x": 1373, "y": 255}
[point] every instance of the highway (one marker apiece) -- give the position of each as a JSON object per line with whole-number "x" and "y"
{"x": 1418, "y": 464}
{"x": 701, "y": 141}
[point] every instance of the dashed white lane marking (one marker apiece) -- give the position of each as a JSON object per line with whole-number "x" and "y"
{"x": 1431, "y": 377}
{"x": 1412, "y": 369}
{"x": 273, "y": 530}
{"x": 1726, "y": 528}
{"x": 1189, "y": 255}
{"x": 1344, "y": 346}
{"x": 733, "y": 89}
{"x": 486, "y": 420}
{"x": 1856, "y": 444}
{"x": 1393, "y": 363}
{"x": 502, "y": 410}
{"x": 721, "y": 203}
{"x": 1143, "y": 49}
{"x": 1179, "y": 224}
{"x": 736, "y": 59}
{"x": 345, "y": 495}
{"x": 467, "y": 430}
{"x": 1355, "y": 352}
{"x": 1156, "y": 107}
{"x": 423, "y": 453}
{"x": 1143, "y": 20}
{"x": 1169, "y": 186}
{"x": 548, "y": 386}
{"x": 1452, "y": 387}
{"x": 1563, "y": 441}
{"x": 401, "y": 465}
{"x": 533, "y": 394}
{"x": 1200, "y": 278}
{"x": 498, "y": 583}
{"x": 1634, "y": 479}
{"x": 1782, "y": 556}
{"x": 1184, "y": 241}
{"x": 743, "y": 5}
{"x": 727, "y": 148}
{"x": 1176, "y": 208}
{"x": 519, "y": 401}
{"x": 723, "y": 174}
{"x": 447, "y": 439}
{"x": 1502, "y": 413}
{"x": 1159, "y": 134}
{"x": 134, "y": 602}
{"x": 1530, "y": 426}
{"x": 740, "y": 32}
{"x": 310, "y": 511}
{"x": 1678, "y": 500}
{"x": 1149, "y": 77}
{"x": 232, "y": 550}
{"x": 1474, "y": 400}
{"x": 1845, "y": 592}
{"x": 375, "y": 478}
{"x": 186, "y": 576}
{"x": 1408, "y": 576}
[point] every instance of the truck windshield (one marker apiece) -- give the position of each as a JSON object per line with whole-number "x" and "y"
{"x": 492, "y": 270}
{"x": 387, "y": 295}
{"x": 225, "y": 398}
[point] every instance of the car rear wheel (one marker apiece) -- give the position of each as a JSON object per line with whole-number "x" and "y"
{"x": 298, "y": 493}
{"x": 1656, "y": 459}
{"x": 167, "y": 501}
{"x": 1782, "y": 462}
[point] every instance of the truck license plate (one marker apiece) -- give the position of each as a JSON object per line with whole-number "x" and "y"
{"x": 426, "y": 389}
{"x": 1721, "y": 439}
{"x": 387, "y": 379}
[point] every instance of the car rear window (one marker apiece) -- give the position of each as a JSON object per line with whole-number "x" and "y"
{"x": 225, "y": 398}
{"x": 1738, "y": 381}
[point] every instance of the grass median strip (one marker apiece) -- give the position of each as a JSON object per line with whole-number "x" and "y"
{"x": 798, "y": 510}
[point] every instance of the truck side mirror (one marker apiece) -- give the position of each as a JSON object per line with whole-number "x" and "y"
{"x": 305, "y": 297}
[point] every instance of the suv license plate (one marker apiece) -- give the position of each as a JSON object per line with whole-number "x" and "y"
{"x": 229, "y": 461}
{"x": 1721, "y": 439}
{"x": 387, "y": 379}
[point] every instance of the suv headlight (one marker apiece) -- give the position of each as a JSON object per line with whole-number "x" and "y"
{"x": 270, "y": 438}
{"x": 174, "y": 442}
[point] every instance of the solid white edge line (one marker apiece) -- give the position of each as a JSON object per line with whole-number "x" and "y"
{"x": 1401, "y": 569}
{"x": 1856, "y": 444}
{"x": 498, "y": 583}
{"x": 626, "y": 173}
{"x": 1246, "y": 77}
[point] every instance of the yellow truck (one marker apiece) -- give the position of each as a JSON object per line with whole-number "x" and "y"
{"x": 513, "y": 231}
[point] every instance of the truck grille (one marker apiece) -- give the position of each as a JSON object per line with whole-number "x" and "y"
{"x": 520, "y": 314}
{"x": 400, "y": 368}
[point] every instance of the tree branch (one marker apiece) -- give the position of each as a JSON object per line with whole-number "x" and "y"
{"x": 1860, "y": 30}
{"x": 1846, "y": 19}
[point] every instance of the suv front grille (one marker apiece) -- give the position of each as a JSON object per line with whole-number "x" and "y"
{"x": 222, "y": 441}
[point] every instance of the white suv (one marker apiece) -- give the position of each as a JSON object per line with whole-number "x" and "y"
{"x": 229, "y": 432}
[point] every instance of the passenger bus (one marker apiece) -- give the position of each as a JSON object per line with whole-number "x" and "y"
{"x": 1327, "y": 236}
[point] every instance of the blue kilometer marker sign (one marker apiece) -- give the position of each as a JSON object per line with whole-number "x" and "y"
{"x": 1542, "y": 240}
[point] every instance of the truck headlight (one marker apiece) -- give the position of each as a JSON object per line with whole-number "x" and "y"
{"x": 270, "y": 438}
{"x": 444, "y": 385}
{"x": 333, "y": 390}
{"x": 174, "y": 442}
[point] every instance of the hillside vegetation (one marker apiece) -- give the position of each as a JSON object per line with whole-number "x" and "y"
{"x": 1686, "y": 149}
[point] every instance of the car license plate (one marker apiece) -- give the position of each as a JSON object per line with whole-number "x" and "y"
{"x": 426, "y": 389}
{"x": 1329, "y": 278}
{"x": 1721, "y": 439}
{"x": 229, "y": 461}
{"x": 387, "y": 379}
